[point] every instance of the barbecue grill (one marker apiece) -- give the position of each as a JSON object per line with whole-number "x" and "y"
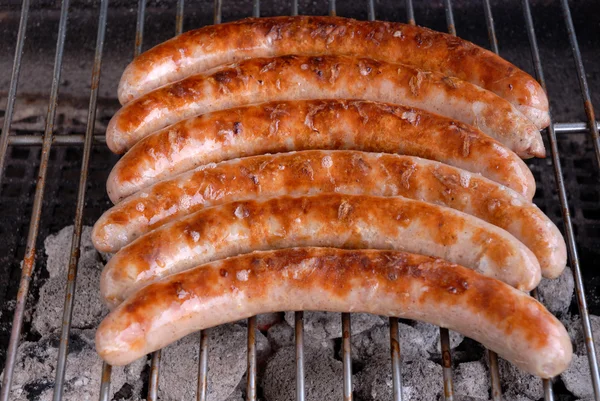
{"x": 45, "y": 153}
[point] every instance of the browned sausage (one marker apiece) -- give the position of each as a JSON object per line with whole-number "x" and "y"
{"x": 344, "y": 221}
{"x": 390, "y": 283}
{"x": 332, "y": 124}
{"x": 202, "y": 49}
{"x": 344, "y": 172}
{"x": 329, "y": 77}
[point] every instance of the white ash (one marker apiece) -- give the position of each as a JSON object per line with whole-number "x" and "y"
{"x": 371, "y": 342}
{"x": 227, "y": 359}
{"x": 516, "y": 383}
{"x": 35, "y": 370}
{"x": 280, "y": 335}
{"x": 556, "y": 294}
{"x": 421, "y": 379}
{"x": 577, "y": 377}
{"x": 88, "y": 308}
{"x": 575, "y": 329}
{"x": 265, "y": 320}
{"x": 472, "y": 379}
{"x": 328, "y": 325}
{"x": 323, "y": 375}
{"x": 431, "y": 335}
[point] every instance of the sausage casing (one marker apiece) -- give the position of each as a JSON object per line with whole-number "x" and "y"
{"x": 205, "y": 48}
{"x": 390, "y": 283}
{"x": 338, "y": 77}
{"x": 341, "y": 171}
{"x": 319, "y": 124}
{"x": 343, "y": 221}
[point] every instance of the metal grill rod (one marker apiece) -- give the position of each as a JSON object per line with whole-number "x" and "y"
{"x": 347, "y": 355}
{"x": 34, "y": 224}
{"x": 395, "y": 351}
{"x": 14, "y": 82}
{"x": 299, "y": 336}
{"x": 562, "y": 196}
{"x": 583, "y": 84}
{"x": 251, "y": 367}
{"x": 202, "y": 367}
{"x": 61, "y": 362}
{"x": 139, "y": 28}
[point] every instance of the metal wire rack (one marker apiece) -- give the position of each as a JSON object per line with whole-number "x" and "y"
{"x": 89, "y": 139}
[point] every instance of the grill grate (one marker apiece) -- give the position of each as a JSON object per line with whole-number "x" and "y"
{"x": 572, "y": 176}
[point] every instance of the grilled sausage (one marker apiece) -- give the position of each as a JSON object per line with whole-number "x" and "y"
{"x": 296, "y": 77}
{"x": 205, "y": 48}
{"x": 390, "y": 283}
{"x": 300, "y": 125}
{"x": 345, "y": 172}
{"x": 346, "y": 221}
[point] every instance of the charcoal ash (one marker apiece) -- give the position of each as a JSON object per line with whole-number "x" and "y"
{"x": 328, "y": 325}
{"x": 323, "y": 375}
{"x": 227, "y": 359}
{"x": 557, "y": 294}
{"x": 35, "y": 370}
{"x": 368, "y": 343}
{"x": 431, "y": 335}
{"x": 471, "y": 379}
{"x": 421, "y": 379}
{"x": 88, "y": 309}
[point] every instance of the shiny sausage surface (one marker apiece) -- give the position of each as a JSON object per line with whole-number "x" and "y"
{"x": 338, "y": 77}
{"x": 319, "y": 124}
{"x": 341, "y": 171}
{"x": 343, "y": 221}
{"x": 390, "y": 283}
{"x": 205, "y": 48}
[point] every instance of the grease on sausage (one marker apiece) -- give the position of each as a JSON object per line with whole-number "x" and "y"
{"x": 390, "y": 283}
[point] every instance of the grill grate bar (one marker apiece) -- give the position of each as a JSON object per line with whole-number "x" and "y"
{"x": 299, "y": 336}
{"x": 410, "y": 13}
{"x": 179, "y": 17}
{"x": 14, "y": 83}
{"x": 446, "y": 364}
{"x": 494, "y": 376}
{"x": 154, "y": 372}
{"x": 34, "y": 224}
{"x": 105, "y": 382}
{"x": 203, "y": 367}
{"x": 346, "y": 355}
{"x": 562, "y": 195}
{"x": 450, "y": 17}
{"x": 585, "y": 90}
{"x": 395, "y": 351}
{"x": 294, "y": 10}
{"x": 78, "y": 223}
{"x": 139, "y": 28}
{"x": 256, "y": 8}
{"x": 251, "y": 371}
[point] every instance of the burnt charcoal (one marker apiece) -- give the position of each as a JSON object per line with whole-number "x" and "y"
{"x": 328, "y": 325}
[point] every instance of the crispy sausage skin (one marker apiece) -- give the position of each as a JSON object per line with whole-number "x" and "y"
{"x": 205, "y": 48}
{"x": 345, "y": 172}
{"x": 390, "y": 283}
{"x": 345, "y": 221}
{"x": 297, "y": 77}
{"x": 319, "y": 124}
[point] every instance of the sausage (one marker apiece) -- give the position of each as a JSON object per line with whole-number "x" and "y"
{"x": 299, "y": 125}
{"x": 345, "y": 172}
{"x": 205, "y": 48}
{"x": 346, "y": 221}
{"x": 297, "y": 77}
{"x": 389, "y": 283}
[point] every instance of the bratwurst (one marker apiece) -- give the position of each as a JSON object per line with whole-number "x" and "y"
{"x": 328, "y": 77}
{"x": 208, "y": 47}
{"x": 318, "y": 124}
{"x": 341, "y": 171}
{"x": 390, "y": 283}
{"x": 342, "y": 221}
